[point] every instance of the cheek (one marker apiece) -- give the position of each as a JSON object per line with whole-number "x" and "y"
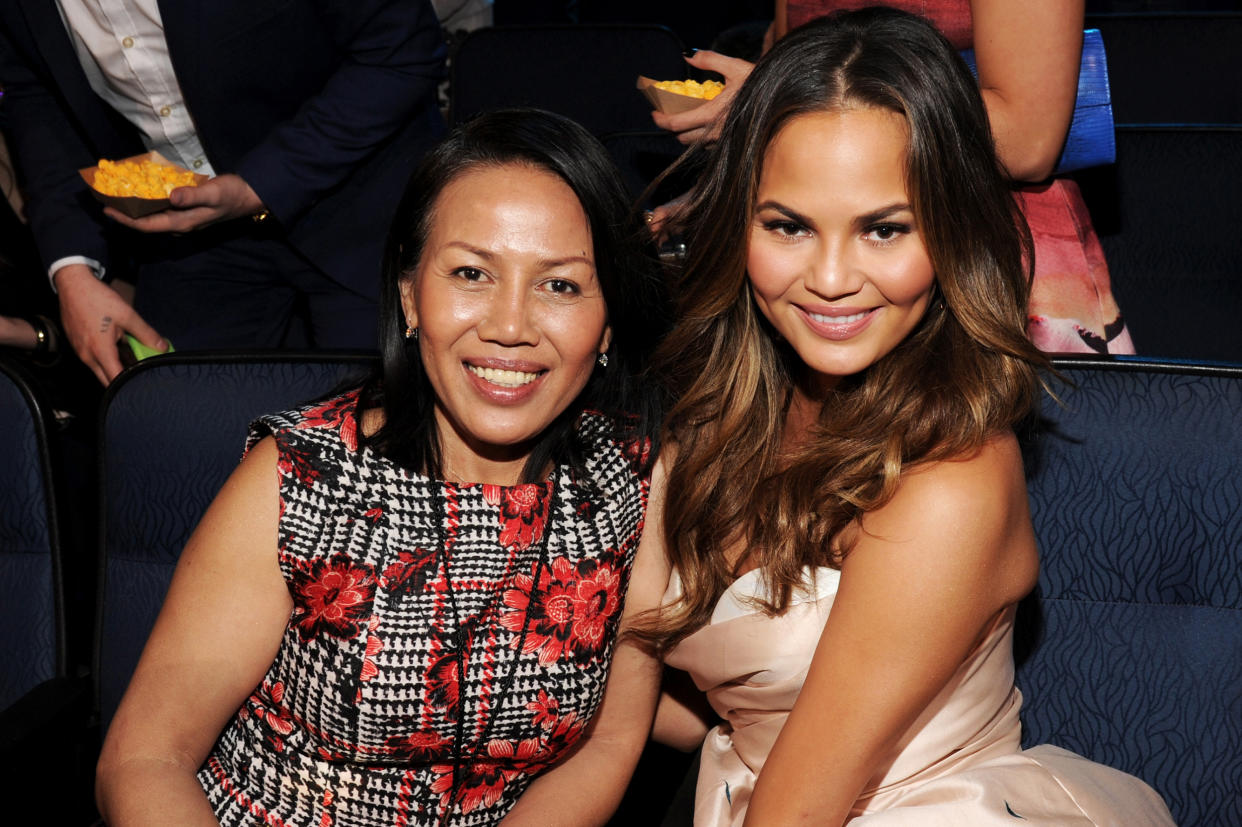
{"x": 577, "y": 335}
{"x": 770, "y": 271}
{"x": 910, "y": 279}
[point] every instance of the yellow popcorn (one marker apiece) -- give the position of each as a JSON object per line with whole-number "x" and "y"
{"x": 706, "y": 90}
{"x": 141, "y": 179}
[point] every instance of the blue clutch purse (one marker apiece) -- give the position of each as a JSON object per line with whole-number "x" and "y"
{"x": 1090, "y": 142}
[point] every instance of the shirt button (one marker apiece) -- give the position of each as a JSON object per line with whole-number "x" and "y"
{"x": 198, "y": 163}
{"x": 165, "y": 111}
{"x": 127, "y": 42}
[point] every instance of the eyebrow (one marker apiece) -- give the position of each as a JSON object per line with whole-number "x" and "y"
{"x": 861, "y": 221}
{"x": 545, "y": 264}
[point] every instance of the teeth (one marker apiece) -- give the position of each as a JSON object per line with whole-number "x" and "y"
{"x": 504, "y": 378}
{"x": 837, "y": 319}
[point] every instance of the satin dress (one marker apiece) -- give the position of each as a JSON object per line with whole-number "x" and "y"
{"x": 1072, "y": 309}
{"x": 960, "y": 763}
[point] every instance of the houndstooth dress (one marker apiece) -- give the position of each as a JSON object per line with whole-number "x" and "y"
{"x": 401, "y": 586}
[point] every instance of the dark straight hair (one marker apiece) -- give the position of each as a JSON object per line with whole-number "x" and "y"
{"x": 632, "y": 286}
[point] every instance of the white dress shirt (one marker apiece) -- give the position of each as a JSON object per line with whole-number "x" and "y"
{"x": 121, "y": 46}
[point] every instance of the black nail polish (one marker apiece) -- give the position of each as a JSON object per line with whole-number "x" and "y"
{"x": 690, "y": 52}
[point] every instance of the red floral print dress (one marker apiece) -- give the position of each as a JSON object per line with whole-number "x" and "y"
{"x": 447, "y": 642}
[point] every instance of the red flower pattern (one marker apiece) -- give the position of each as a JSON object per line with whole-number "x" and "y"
{"x": 374, "y": 645}
{"x": 410, "y": 571}
{"x": 422, "y": 745}
{"x": 545, "y": 709}
{"x": 523, "y": 512}
{"x": 568, "y": 614}
{"x": 336, "y": 413}
{"x": 266, "y": 704}
{"x": 332, "y": 597}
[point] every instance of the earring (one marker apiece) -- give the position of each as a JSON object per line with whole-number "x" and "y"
{"x": 411, "y": 332}
{"x": 602, "y": 360}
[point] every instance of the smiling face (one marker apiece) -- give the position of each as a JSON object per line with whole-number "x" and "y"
{"x": 835, "y": 258}
{"x": 510, "y": 314}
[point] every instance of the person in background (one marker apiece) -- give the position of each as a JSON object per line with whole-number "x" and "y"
{"x": 413, "y": 591}
{"x": 846, "y": 513}
{"x": 308, "y": 115}
{"x": 1028, "y": 57}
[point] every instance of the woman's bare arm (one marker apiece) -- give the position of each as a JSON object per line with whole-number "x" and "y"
{"x": 929, "y": 573}
{"x": 1028, "y": 56}
{"x": 216, "y": 636}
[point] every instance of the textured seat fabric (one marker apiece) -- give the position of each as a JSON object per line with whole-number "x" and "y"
{"x": 172, "y": 430}
{"x": 31, "y": 636}
{"x": 1130, "y": 650}
{"x": 585, "y": 72}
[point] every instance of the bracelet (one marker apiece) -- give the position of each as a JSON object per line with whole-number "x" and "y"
{"x": 47, "y": 341}
{"x": 43, "y": 337}
{"x": 260, "y": 216}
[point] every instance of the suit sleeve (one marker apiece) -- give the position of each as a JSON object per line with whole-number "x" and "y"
{"x": 394, "y": 59}
{"x": 48, "y": 148}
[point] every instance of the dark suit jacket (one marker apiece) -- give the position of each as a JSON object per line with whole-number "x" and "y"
{"x": 322, "y": 106}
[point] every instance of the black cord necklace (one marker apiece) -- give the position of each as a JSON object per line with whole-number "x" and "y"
{"x": 461, "y": 636}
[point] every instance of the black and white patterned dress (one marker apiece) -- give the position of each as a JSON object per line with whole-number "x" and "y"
{"x": 401, "y": 585}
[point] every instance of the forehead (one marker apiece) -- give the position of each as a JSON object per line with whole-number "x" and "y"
{"x": 841, "y": 150}
{"x": 516, "y": 201}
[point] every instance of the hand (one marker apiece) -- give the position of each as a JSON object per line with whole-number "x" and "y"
{"x": 95, "y": 317}
{"x": 664, "y": 219}
{"x": 703, "y": 122}
{"x": 220, "y": 199}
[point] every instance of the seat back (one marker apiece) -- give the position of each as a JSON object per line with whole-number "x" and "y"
{"x": 1173, "y": 67}
{"x": 1176, "y": 276}
{"x": 32, "y": 646}
{"x": 585, "y": 72}
{"x": 171, "y": 431}
{"x": 1130, "y": 649}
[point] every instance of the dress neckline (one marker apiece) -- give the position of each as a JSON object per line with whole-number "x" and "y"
{"x": 739, "y": 598}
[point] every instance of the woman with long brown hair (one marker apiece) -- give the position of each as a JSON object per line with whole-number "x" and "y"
{"x": 846, "y": 510}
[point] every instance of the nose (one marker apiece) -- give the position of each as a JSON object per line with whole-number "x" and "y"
{"x": 509, "y": 317}
{"x": 834, "y": 270}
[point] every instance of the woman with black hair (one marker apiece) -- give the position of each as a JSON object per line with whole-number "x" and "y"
{"x": 413, "y": 591}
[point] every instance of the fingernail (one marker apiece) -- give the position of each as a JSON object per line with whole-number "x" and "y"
{"x": 690, "y": 52}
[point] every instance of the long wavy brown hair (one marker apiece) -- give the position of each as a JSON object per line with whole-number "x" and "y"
{"x": 965, "y": 373}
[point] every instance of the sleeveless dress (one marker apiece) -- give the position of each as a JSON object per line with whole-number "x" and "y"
{"x": 447, "y": 642}
{"x": 1072, "y": 309}
{"x": 960, "y": 763}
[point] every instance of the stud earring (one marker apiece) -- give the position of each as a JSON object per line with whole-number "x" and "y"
{"x": 411, "y": 332}
{"x": 602, "y": 360}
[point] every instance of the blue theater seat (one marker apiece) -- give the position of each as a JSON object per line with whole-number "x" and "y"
{"x": 32, "y": 636}
{"x": 1130, "y": 650}
{"x": 172, "y": 429}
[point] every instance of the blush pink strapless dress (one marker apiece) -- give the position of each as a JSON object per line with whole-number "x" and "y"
{"x": 960, "y": 763}
{"x": 1072, "y": 308}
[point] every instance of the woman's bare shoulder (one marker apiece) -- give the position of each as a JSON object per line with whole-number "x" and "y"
{"x": 967, "y": 513}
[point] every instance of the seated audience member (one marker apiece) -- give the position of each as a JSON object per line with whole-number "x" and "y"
{"x": 309, "y": 116}
{"x": 1028, "y": 57}
{"x": 846, "y": 513}
{"x": 402, "y": 607}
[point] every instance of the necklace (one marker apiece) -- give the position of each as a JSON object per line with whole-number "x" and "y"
{"x": 461, "y": 637}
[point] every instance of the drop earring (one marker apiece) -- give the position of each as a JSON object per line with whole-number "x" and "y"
{"x": 602, "y": 360}
{"x": 411, "y": 333}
